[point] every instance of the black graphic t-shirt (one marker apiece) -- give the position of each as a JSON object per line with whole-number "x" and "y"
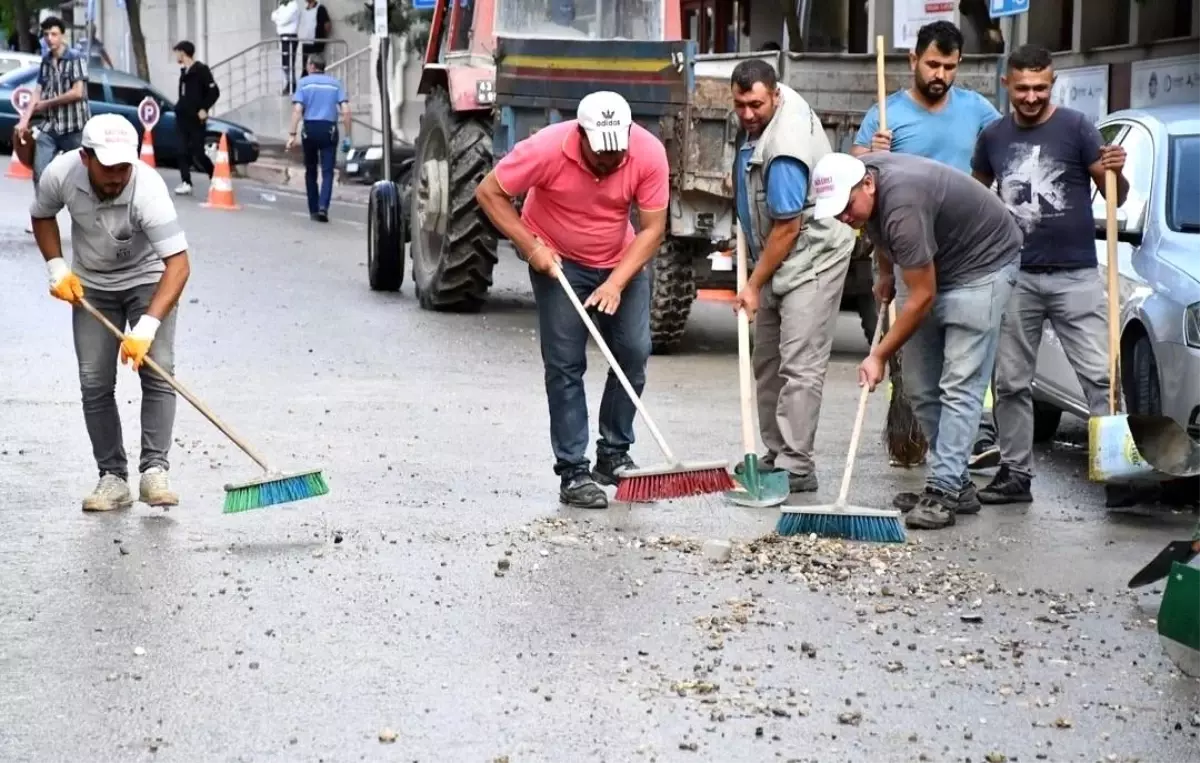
{"x": 1042, "y": 175}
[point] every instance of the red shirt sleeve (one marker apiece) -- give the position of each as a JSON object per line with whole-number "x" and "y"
{"x": 654, "y": 191}
{"x": 524, "y": 167}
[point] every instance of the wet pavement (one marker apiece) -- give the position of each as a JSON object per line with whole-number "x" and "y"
{"x": 439, "y": 605}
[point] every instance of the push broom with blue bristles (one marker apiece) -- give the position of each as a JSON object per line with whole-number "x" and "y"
{"x": 272, "y": 488}
{"x": 839, "y": 520}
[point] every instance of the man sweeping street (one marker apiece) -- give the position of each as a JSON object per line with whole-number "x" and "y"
{"x": 794, "y": 292}
{"x": 957, "y": 248}
{"x": 936, "y": 119}
{"x": 1046, "y": 158}
{"x": 129, "y": 261}
{"x": 581, "y": 178}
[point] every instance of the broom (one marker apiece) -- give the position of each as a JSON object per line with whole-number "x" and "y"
{"x": 674, "y": 479}
{"x": 839, "y": 520}
{"x": 271, "y": 489}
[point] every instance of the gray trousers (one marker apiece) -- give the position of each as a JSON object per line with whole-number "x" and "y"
{"x": 1074, "y": 303}
{"x": 793, "y": 336}
{"x": 97, "y": 351}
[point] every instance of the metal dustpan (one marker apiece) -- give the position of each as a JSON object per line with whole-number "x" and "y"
{"x": 1165, "y": 445}
{"x": 758, "y": 488}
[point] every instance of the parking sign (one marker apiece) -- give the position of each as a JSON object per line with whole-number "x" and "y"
{"x": 21, "y": 98}
{"x": 149, "y": 112}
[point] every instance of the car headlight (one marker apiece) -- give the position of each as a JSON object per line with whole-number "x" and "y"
{"x": 373, "y": 153}
{"x": 1191, "y": 325}
{"x": 250, "y": 137}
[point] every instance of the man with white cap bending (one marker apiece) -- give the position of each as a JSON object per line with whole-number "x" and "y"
{"x": 130, "y": 262}
{"x": 580, "y": 179}
{"x": 958, "y": 250}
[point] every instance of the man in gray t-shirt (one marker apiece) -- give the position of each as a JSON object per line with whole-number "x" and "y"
{"x": 957, "y": 247}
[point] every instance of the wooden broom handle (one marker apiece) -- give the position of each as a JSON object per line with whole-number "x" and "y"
{"x": 852, "y": 453}
{"x": 744, "y": 372}
{"x": 208, "y": 414}
{"x": 1114, "y": 288}
{"x": 881, "y": 80}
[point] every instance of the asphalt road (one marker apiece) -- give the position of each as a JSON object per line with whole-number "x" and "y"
{"x": 439, "y": 605}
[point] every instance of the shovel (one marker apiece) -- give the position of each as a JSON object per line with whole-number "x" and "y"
{"x": 1165, "y": 445}
{"x": 758, "y": 489}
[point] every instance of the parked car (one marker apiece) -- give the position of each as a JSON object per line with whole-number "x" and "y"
{"x": 1159, "y": 261}
{"x": 14, "y": 59}
{"x": 112, "y": 91}
{"x": 364, "y": 164}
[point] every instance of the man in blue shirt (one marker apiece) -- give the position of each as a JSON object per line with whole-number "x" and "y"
{"x": 938, "y": 121}
{"x": 318, "y": 100}
{"x": 794, "y": 291}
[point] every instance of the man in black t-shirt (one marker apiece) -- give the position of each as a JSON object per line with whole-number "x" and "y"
{"x": 1045, "y": 158}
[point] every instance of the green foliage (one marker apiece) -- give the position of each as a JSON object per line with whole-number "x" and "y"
{"x": 403, "y": 21}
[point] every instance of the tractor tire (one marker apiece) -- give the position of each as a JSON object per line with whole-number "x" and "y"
{"x": 452, "y": 270}
{"x": 385, "y": 237}
{"x": 672, "y": 292}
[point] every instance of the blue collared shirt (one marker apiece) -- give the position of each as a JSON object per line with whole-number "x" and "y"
{"x": 320, "y": 95}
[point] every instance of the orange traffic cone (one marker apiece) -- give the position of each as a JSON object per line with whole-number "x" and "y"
{"x": 17, "y": 168}
{"x": 147, "y": 155}
{"x": 220, "y": 190}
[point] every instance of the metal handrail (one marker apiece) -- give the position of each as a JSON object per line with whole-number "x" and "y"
{"x": 257, "y": 71}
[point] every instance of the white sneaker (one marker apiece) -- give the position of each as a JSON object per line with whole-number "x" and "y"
{"x": 111, "y": 493}
{"x": 183, "y": 189}
{"x": 155, "y": 488}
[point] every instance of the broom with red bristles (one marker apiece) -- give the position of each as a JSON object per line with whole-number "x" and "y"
{"x": 675, "y": 479}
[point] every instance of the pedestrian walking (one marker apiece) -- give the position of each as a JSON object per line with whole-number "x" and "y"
{"x": 198, "y": 93}
{"x": 314, "y": 29}
{"x": 794, "y": 291}
{"x": 957, "y": 248}
{"x": 318, "y": 101}
{"x": 287, "y": 24}
{"x": 936, "y": 119}
{"x": 1045, "y": 159}
{"x": 59, "y": 98}
{"x": 582, "y": 178}
{"x": 130, "y": 261}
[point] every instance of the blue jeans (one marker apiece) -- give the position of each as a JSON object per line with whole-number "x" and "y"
{"x": 564, "y": 341}
{"x": 948, "y": 365}
{"x": 50, "y": 145}
{"x": 320, "y": 147}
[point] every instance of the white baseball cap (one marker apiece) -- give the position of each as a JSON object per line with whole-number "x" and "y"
{"x": 833, "y": 179}
{"x": 112, "y": 138}
{"x": 606, "y": 118}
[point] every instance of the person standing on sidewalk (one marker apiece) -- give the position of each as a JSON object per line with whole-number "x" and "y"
{"x": 935, "y": 119}
{"x": 318, "y": 100}
{"x": 198, "y": 93}
{"x": 1046, "y": 158}
{"x": 958, "y": 250}
{"x": 580, "y": 178}
{"x": 60, "y": 96}
{"x": 314, "y": 29}
{"x": 287, "y": 24}
{"x": 794, "y": 291}
{"x": 130, "y": 255}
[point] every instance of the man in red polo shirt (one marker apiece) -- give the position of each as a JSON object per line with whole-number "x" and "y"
{"x": 581, "y": 178}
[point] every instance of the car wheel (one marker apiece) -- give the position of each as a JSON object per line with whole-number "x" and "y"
{"x": 212, "y": 144}
{"x": 1143, "y": 393}
{"x": 1045, "y": 421}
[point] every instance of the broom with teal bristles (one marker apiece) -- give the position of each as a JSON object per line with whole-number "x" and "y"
{"x": 839, "y": 520}
{"x": 273, "y": 488}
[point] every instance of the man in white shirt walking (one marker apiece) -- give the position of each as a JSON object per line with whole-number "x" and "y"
{"x": 287, "y": 25}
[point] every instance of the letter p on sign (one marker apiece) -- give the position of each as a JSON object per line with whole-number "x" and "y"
{"x": 149, "y": 112}
{"x": 21, "y": 98}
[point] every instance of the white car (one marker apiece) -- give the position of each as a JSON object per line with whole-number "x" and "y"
{"x": 12, "y": 59}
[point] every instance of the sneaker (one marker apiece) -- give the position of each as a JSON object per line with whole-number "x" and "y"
{"x": 609, "y": 468}
{"x": 1007, "y": 487}
{"x": 581, "y": 491}
{"x": 155, "y": 488}
{"x": 183, "y": 189}
{"x": 802, "y": 483}
{"x": 111, "y": 493}
{"x": 934, "y": 511}
{"x": 968, "y": 500}
{"x": 985, "y": 455}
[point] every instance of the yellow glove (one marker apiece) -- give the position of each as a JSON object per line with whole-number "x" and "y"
{"x": 64, "y": 284}
{"x": 136, "y": 344}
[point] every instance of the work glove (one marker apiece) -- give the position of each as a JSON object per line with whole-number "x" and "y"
{"x": 64, "y": 284}
{"x": 346, "y": 145}
{"x": 136, "y": 343}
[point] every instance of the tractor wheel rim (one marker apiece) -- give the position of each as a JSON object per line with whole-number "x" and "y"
{"x": 429, "y": 196}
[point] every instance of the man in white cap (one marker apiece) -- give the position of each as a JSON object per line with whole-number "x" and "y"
{"x": 130, "y": 261}
{"x": 580, "y": 179}
{"x": 958, "y": 250}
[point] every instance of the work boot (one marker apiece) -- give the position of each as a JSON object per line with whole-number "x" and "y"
{"x": 934, "y": 511}
{"x": 111, "y": 493}
{"x": 155, "y": 488}
{"x": 984, "y": 455}
{"x": 581, "y": 491}
{"x": 765, "y": 464}
{"x": 610, "y": 466}
{"x": 968, "y": 500}
{"x": 1007, "y": 487}
{"x": 802, "y": 483}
